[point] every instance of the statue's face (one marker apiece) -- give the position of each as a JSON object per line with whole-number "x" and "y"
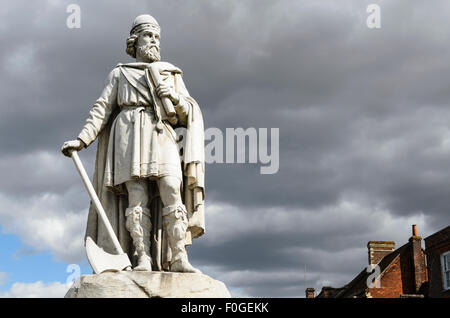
{"x": 148, "y": 37}
{"x": 147, "y": 46}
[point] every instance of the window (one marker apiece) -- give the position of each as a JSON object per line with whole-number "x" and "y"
{"x": 445, "y": 262}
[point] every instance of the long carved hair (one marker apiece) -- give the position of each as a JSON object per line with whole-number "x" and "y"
{"x": 131, "y": 45}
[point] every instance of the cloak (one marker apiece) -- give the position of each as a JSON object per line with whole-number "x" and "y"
{"x": 115, "y": 201}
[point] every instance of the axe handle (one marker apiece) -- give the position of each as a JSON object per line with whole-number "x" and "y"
{"x": 96, "y": 201}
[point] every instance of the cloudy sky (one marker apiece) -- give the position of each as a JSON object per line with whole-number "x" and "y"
{"x": 363, "y": 118}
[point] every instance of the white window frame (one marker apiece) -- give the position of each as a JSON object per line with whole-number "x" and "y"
{"x": 445, "y": 270}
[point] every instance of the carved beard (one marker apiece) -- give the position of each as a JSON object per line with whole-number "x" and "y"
{"x": 149, "y": 52}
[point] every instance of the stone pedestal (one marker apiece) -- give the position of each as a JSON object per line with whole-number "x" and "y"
{"x": 147, "y": 285}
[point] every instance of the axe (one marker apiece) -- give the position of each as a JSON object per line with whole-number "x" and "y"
{"x": 100, "y": 260}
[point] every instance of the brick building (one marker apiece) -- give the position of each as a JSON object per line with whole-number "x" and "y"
{"x": 437, "y": 247}
{"x": 402, "y": 273}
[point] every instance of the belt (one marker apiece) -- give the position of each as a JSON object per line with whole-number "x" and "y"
{"x": 137, "y": 112}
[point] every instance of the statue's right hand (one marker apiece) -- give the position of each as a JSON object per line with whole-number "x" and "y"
{"x": 72, "y": 145}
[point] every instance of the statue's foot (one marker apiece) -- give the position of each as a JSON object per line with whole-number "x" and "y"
{"x": 183, "y": 266}
{"x": 144, "y": 264}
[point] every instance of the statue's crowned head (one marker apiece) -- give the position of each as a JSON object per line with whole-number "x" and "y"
{"x": 143, "y": 42}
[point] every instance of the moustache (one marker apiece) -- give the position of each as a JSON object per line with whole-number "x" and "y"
{"x": 150, "y": 46}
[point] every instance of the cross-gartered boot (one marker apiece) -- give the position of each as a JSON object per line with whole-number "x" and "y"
{"x": 175, "y": 224}
{"x": 139, "y": 225}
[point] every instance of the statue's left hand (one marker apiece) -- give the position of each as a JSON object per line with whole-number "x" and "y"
{"x": 164, "y": 90}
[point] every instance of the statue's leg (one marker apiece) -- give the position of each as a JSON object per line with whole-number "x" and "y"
{"x": 175, "y": 223}
{"x": 138, "y": 222}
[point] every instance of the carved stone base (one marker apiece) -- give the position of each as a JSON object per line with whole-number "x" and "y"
{"x": 147, "y": 285}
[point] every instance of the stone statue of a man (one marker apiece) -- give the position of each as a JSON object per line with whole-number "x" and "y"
{"x": 153, "y": 198}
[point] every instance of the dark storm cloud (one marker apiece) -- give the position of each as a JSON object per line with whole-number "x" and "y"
{"x": 362, "y": 116}
{"x": 339, "y": 101}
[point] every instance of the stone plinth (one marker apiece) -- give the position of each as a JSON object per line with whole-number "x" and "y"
{"x": 147, "y": 285}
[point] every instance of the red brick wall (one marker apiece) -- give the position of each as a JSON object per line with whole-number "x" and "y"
{"x": 399, "y": 278}
{"x": 391, "y": 285}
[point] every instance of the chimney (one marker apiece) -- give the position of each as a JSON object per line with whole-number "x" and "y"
{"x": 414, "y": 230}
{"x": 310, "y": 292}
{"x": 326, "y": 291}
{"x": 379, "y": 249}
{"x": 417, "y": 258}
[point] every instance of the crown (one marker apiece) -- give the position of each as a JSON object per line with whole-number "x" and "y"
{"x": 145, "y": 21}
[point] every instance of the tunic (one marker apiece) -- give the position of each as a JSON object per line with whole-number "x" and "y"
{"x": 137, "y": 148}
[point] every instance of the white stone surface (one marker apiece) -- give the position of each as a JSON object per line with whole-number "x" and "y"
{"x": 148, "y": 285}
{"x": 134, "y": 120}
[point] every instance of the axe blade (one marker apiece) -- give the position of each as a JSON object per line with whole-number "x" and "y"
{"x": 102, "y": 261}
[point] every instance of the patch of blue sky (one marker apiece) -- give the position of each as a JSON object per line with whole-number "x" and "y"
{"x": 22, "y": 264}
